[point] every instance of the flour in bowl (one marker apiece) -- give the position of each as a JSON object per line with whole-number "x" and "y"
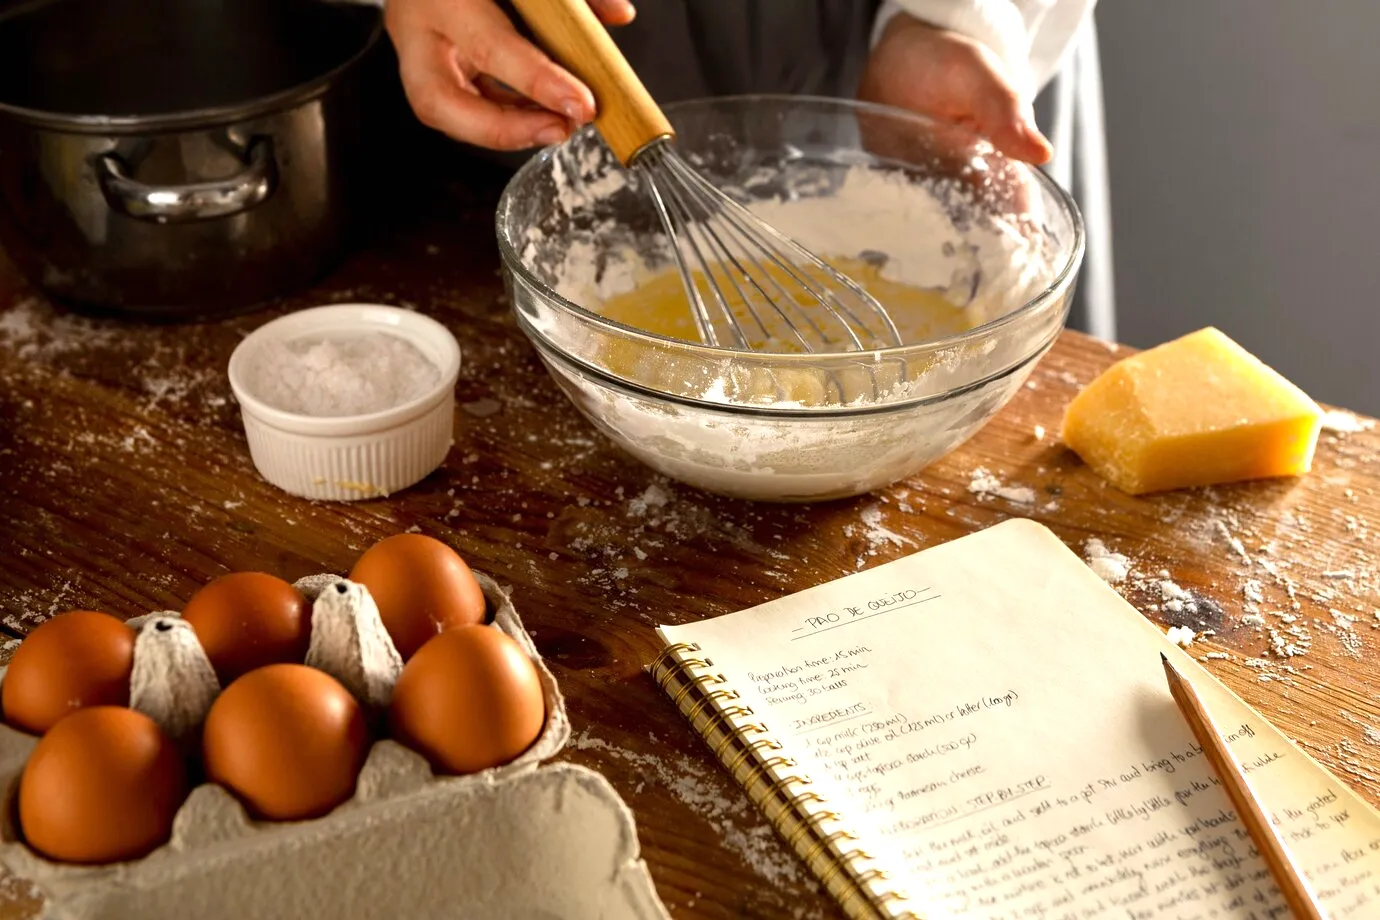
{"x": 927, "y": 234}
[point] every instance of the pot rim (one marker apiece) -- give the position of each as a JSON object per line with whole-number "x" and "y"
{"x": 193, "y": 118}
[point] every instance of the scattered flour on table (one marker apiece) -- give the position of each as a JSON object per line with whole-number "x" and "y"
{"x": 39, "y": 604}
{"x": 1273, "y": 592}
{"x": 157, "y": 363}
{"x": 692, "y": 785}
{"x": 653, "y": 498}
{"x": 1340, "y": 421}
{"x": 482, "y": 408}
{"x": 1069, "y": 379}
{"x": 1280, "y": 587}
{"x": 33, "y": 330}
{"x": 1276, "y": 587}
{"x": 985, "y": 485}
{"x": 332, "y": 377}
{"x": 874, "y": 530}
{"x": 1175, "y": 599}
{"x": 1111, "y": 567}
{"x": 1181, "y": 636}
{"x": 656, "y": 517}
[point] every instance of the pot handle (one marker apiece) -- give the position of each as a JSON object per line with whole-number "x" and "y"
{"x": 168, "y": 204}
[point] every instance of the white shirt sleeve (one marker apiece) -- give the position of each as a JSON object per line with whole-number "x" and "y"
{"x": 1030, "y": 37}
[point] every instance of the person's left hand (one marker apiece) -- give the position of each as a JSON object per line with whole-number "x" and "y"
{"x": 953, "y": 79}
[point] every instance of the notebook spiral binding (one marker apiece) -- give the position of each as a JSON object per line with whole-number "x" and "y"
{"x": 858, "y": 888}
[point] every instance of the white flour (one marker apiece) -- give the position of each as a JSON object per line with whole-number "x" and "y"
{"x": 721, "y": 805}
{"x": 1340, "y": 421}
{"x": 989, "y": 269}
{"x": 1111, "y": 567}
{"x": 984, "y": 484}
{"x": 872, "y": 212}
{"x": 1181, "y": 636}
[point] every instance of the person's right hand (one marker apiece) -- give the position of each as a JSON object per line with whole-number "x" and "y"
{"x": 468, "y": 73}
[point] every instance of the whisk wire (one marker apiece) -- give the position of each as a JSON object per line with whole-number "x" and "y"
{"x": 787, "y": 255}
{"x": 695, "y": 231}
{"x": 697, "y": 211}
{"x": 786, "y": 296}
{"x": 699, "y": 311}
{"x": 737, "y": 269}
{"x": 832, "y": 306}
{"x": 709, "y": 195}
{"x": 726, "y": 257}
{"x": 682, "y": 223}
{"x": 692, "y": 230}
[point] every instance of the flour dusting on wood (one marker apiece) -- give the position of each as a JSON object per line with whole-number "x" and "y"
{"x": 1111, "y": 567}
{"x": 1340, "y": 421}
{"x": 985, "y": 485}
{"x": 714, "y": 798}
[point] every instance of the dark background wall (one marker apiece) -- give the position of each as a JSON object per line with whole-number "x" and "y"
{"x": 1244, "y": 140}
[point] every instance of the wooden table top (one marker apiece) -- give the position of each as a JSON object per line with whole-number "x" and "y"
{"x": 125, "y": 484}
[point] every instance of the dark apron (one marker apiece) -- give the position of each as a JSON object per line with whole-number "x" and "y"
{"x": 685, "y": 49}
{"x": 690, "y": 49}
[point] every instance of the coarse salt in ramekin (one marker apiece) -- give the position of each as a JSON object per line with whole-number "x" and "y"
{"x": 350, "y": 457}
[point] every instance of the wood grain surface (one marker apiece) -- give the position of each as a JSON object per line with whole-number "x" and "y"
{"x": 125, "y": 484}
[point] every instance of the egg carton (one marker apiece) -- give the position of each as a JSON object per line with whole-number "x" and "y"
{"x": 523, "y": 840}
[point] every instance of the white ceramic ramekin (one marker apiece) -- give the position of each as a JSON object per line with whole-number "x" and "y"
{"x": 353, "y": 457}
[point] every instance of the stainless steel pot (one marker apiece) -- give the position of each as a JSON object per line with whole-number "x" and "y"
{"x": 183, "y": 157}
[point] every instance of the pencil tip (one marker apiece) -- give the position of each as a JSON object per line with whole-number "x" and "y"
{"x": 1169, "y": 669}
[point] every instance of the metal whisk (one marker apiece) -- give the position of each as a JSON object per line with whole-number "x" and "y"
{"x": 749, "y": 285}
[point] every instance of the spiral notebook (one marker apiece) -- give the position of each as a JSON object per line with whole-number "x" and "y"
{"x": 982, "y": 729}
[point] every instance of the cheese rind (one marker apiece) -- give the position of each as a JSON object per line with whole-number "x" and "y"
{"x": 1197, "y": 411}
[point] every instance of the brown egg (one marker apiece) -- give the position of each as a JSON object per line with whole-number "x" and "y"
{"x": 103, "y": 785}
{"x": 246, "y": 620}
{"x": 421, "y": 586}
{"x": 74, "y": 660}
{"x": 469, "y": 699}
{"x": 287, "y": 739}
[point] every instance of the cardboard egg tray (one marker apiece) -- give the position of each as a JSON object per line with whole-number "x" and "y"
{"x": 524, "y": 840}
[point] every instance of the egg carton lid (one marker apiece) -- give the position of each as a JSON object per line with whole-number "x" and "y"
{"x": 517, "y": 841}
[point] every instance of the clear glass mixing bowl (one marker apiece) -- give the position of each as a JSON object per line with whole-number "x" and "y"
{"x": 787, "y": 427}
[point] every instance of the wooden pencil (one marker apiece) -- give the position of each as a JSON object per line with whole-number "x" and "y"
{"x": 1292, "y": 883}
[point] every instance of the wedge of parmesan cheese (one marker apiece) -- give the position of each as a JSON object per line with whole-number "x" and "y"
{"x": 1197, "y": 411}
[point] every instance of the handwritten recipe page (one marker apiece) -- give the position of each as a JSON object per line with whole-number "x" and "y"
{"x": 992, "y": 721}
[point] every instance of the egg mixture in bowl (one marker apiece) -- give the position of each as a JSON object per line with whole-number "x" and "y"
{"x": 974, "y": 256}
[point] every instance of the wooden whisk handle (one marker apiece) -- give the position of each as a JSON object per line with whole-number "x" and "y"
{"x": 629, "y": 119}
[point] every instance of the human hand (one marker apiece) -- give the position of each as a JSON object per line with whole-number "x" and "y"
{"x": 468, "y": 73}
{"x": 952, "y": 79}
